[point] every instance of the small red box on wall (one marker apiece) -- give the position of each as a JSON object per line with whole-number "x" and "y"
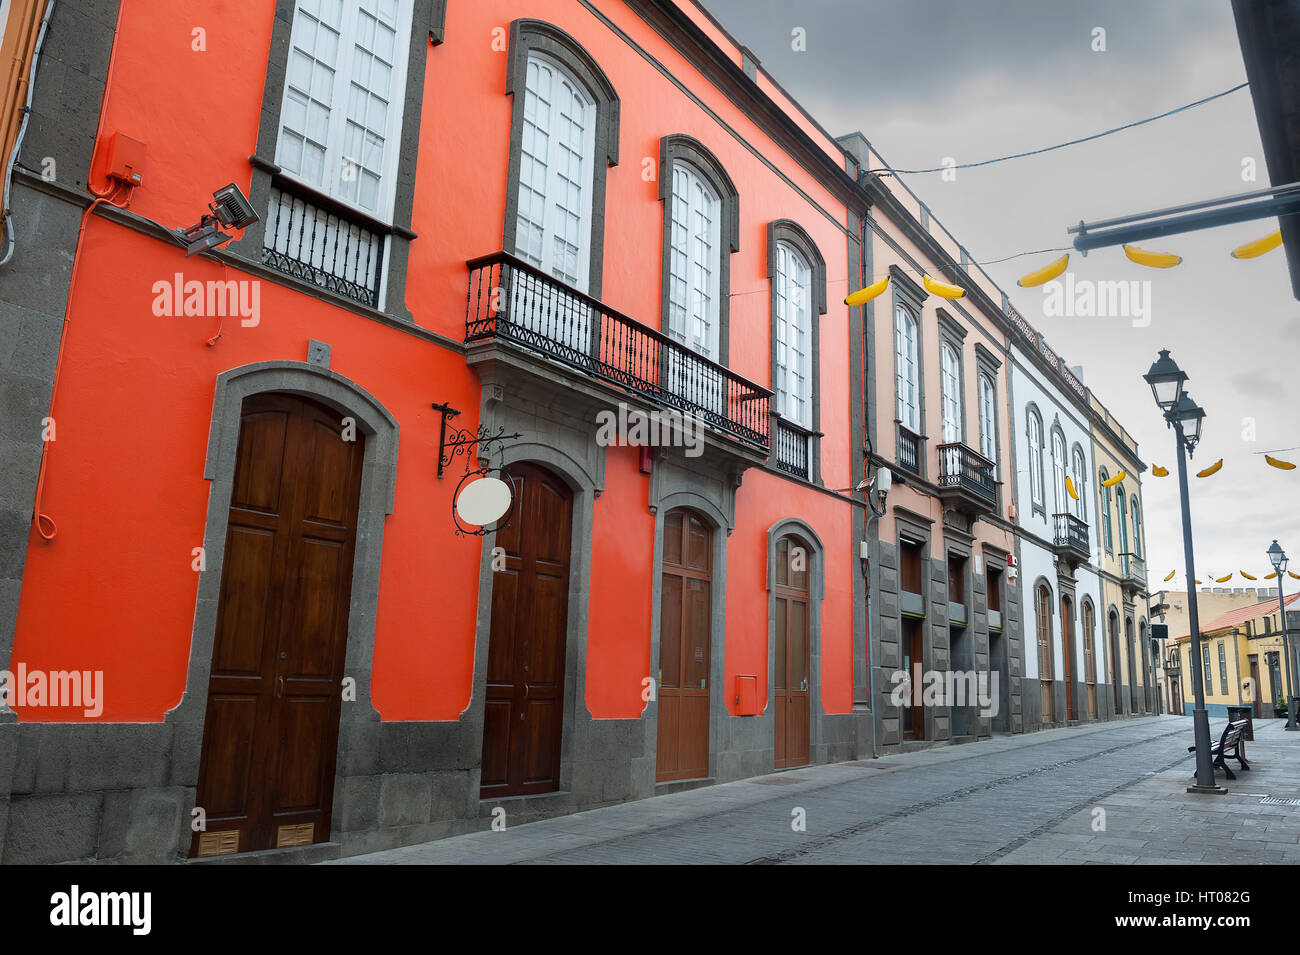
{"x": 746, "y": 695}
{"x": 125, "y": 159}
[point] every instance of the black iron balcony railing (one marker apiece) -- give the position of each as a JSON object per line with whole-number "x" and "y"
{"x": 960, "y": 466}
{"x": 1071, "y": 532}
{"x": 910, "y": 453}
{"x": 313, "y": 238}
{"x": 512, "y": 300}
{"x": 1135, "y": 568}
{"x": 793, "y": 449}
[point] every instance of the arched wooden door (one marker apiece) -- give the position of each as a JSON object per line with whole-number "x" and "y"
{"x": 790, "y": 684}
{"x": 685, "y": 647}
{"x": 523, "y": 716}
{"x": 1067, "y": 656}
{"x": 270, "y": 732}
{"x": 1045, "y": 670}
{"x": 1116, "y": 683}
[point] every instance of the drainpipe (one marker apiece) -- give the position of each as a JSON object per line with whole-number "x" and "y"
{"x": 871, "y": 676}
{"x": 22, "y": 132}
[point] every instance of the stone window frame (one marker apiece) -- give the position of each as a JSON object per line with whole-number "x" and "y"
{"x": 953, "y": 334}
{"x": 794, "y": 235}
{"x": 526, "y": 37}
{"x": 1135, "y": 518}
{"x": 1032, "y": 413}
{"x": 428, "y": 28}
{"x": 1107, "y": 530}
{"x": 678, "y": 147}
{"x": 1077, "y": 448}
{"x": 1059, "y": 486}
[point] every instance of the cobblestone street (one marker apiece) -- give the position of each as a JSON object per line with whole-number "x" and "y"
{"x": 1024, "y": 799}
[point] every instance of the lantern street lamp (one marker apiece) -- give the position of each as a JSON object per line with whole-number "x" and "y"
{"x": 1185, "y": 416}
{"x": 1277, "y": 557}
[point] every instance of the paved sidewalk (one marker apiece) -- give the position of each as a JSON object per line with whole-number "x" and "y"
{"x": 1013, "y": 799}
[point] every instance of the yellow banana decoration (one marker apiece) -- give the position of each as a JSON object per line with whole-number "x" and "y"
{"x": 1152, "y": 260}
{"x": 1158, "y": 471}
{"x": 1111, "y": 482}
{"x": 1279, "y": 463}
{"x": 864, "y": 295}
{"x": 1069, "y": 488}
{"x": 1222, "y": 580}
{"x": 1198, "y": 583}
{"x": 1247, "y": 576}
{"x": 1170, "y": 575}
{"x": 942, "y": 290}
{"x": 1258, "y": 247}
{"x": 1292, "y": 573}
{"x": 1046, "y": 274}
{"x": 1270, "y": 576}
{"x": 1212, "y": 469}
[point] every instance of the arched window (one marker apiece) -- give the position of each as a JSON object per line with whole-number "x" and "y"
{"x": 793, "y": 345}
{"x": 988, "y": 419}
{"x": 1137, "y": 528}
{"x": 1123, "y": 520}
{"x": 1035, "y": 457}
{"x": 905, "y": 368}
{"x": 1058, "y": 473}
{"x": 950, "y": 386}
{"x": 1078, "y": 476}
{"x": 695, "y": 249}
{"x": 1102, "y": 478}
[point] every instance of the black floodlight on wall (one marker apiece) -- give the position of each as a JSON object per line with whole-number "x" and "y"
{"x": 229, "y": 208}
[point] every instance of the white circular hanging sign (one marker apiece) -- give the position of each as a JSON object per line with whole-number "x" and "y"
{"x": 483, "y": 501}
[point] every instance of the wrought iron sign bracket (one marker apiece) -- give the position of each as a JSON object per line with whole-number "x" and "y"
{"x": 459, "y": 440}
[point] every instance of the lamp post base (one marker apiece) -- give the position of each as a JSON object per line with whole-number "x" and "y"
{"x": 1291, "y": 713}
{"x": 1215, "y": 790}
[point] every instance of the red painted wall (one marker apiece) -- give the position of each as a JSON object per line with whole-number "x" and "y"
{"x": 116, "y": 591}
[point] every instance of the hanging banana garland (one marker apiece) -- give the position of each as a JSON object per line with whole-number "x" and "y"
{"x": 1045, "y": 274}
{"x": 1212, "y": 469}
{"x": 1278, "y": 463}
{"x": 1158, "y": 471}
{"x": 1111, "y": 482}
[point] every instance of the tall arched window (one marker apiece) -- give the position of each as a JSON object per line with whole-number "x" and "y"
{"x": 1078, "y": 476}
{"x": 988, "y": 419}
{"x": 905, "y": 368}
{"x": 793, "y": 345}
{"x": 950, "y": 385}
{"x": 1035, "y": 457}
{"x": 694, "y": 255}
{"x": 1058, "y": 473}
{"x": 1137, "y": 528}
{"x": 1102, "y": 478}
{"x": 1123, "y": 520}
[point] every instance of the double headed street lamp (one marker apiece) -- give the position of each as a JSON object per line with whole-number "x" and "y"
{"x": 1185, "y": 416}
{"x": 1277, "y": 557}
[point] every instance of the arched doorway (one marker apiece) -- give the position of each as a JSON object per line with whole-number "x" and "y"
{"x": 790, "y": 697}
{"x": 685, "y": 647}
{"x": 271, "y": 726}
{"x": 1116, "y": 684}
{"x": 1045, "y": 668}
{"x": 523, "y": 714}
{"x": 1067, "y": 656}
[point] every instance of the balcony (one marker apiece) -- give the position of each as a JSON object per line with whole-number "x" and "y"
{"x": 967, "y": 480}
{"x": 509, "y": 300}
{"x": 910, "y": 453}
{"x": 322, "y": 242}
{"x": 794, "y": 449}
{"x": 1071, "y": 538}
{"x": 1134, "y": 571}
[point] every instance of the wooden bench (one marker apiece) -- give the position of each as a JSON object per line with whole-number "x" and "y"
{"x": 1230, "y": 744}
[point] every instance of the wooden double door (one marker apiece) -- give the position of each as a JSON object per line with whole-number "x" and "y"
{"x": 685, "y": 647}
{"x": 523, "y": 718}
{"x": 270, "y": 734}
{"x": 790, "y": 681}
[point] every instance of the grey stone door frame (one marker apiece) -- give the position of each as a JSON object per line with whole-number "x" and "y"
{"x": 378, "y": 478}
{"x": 786, "y": 527}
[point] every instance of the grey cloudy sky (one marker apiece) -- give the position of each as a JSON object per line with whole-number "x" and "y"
{"x": 974, "y": 79}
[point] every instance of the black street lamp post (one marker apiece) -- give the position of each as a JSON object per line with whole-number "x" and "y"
{"x": 1185, "y": 416}
{"x": 1277, "y": 557}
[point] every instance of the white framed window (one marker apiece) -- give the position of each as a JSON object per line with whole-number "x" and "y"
{"x": 341, "y": 115}
{"x": 1105, "y": 511}
{"x": 694, "y": 302}
{"x": 556, "y": 164}
{"x": 1137, "y": 528}
{"x": 1058, "y": 473}
{"x": 1123, "y": 520}
{"x": 988, "y": 419}
{"x": 950, "y": 386}
{"x": 793, "y": 345}
{"x": 905, "y": 368}
{"x": 1077, "y": 475}
{"x": 1035, "y": 458}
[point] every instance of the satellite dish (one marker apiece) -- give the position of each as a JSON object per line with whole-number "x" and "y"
{"x": 483, "y": 501}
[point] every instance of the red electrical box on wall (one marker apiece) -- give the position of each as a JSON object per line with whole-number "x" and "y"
{"x": 746, "y": 695}
{"x": 125, "y": 159}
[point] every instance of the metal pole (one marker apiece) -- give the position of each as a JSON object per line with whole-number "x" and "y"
{"x": 1290, "y": 656}
{"x": 1200, "y": 717}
